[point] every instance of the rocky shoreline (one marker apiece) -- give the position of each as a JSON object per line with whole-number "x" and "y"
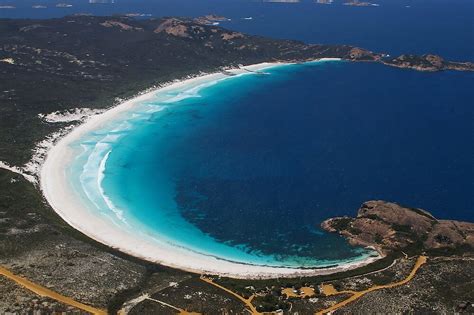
{"x": 391, "y": 228}
{"x": 428, "y": 62}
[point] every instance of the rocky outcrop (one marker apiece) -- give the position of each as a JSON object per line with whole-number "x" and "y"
{"x": 360, "y": 54}
{"x": 428, "y": 62}
{"x": 210, "y": 19}
{"x": 232, "y": 35}
{"x": 173, "y": 27}
{"x": 390, "y": 228}
{"x": 120, "y": 25}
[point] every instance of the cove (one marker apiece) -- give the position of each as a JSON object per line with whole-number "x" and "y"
{"x": 245, "y": 168}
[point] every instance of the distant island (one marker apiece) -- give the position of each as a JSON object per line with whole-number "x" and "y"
{"x": 101, "y": 1}
{"x": 357, "y": 3}
{"x": 63, "y": 5}
{"x": 324, "y": 1}
{"x": 282, "y": 1}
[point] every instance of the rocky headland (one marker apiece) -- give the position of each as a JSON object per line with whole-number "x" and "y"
{"x": 428, "y": 62}
{"x": 391, "y": 228}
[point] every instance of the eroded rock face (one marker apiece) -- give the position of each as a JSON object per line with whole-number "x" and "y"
{"x": 390, "y": 227}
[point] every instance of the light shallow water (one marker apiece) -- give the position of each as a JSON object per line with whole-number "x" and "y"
{"x": 246, "y": 169}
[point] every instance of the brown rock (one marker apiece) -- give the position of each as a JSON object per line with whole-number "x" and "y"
{"x": 233, "y": 35}
{"x": 435, "y": 60}
{"x": 173, "y": 27}
{"x": 120, "y": 25}
{"x": 390, "y": 227}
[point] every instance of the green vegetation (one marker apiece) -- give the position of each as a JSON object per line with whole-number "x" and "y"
{"x": 378, "y": 239}
{"x": 270, "y": 303}
{"x": 354, "y": 231}
{"x": 87, "y": 62}
{"x": 402, "y": 228}
{"x": 446, "y": 251}
{"x": 23, "y": 206}
{"x": 373, "y": 217}
{"x": 341, "y": 223}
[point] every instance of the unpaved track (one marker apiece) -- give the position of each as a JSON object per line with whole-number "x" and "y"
{"x": 42, "y": 291}
{"x": 356, "y": 295}
{"x": 247, "y": 302}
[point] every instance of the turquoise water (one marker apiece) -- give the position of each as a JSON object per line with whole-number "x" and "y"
{"x": 112, "y": 173}
{"x": 272, "y": 156}
{"x": 246, "y": 168}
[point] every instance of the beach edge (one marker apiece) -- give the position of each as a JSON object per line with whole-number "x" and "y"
{"x": 54, "y": 187}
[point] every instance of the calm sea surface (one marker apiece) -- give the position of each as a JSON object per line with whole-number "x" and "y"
{"x": 257, "y": 162}
{"x": 401, "y": 26}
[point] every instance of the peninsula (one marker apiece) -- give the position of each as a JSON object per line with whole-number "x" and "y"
{"x": 392, "y": 228}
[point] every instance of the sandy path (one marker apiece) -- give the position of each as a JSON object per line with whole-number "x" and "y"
{"x": 42, "y": 291}
{"x": 247, "y": 302}
{"x": 329, "y": 290}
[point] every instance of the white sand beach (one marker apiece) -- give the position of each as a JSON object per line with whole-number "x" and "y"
{"x": 60, "y": 195}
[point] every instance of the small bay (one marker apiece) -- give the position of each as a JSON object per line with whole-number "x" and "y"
{"x": 246, "y": 168}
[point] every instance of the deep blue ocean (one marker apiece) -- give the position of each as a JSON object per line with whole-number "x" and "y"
{"x": 247, "y": 168}
{"x": 402, "y": 26}
{"x": 257, "y": 162}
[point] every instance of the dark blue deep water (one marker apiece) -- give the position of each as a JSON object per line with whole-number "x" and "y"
{"x": 401, "y": 26}
{"x": 260, "y": 161}
{"x": 285, "y": 154}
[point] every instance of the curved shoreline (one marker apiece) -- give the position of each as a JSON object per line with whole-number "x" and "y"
{"x": 66, "y": 204}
